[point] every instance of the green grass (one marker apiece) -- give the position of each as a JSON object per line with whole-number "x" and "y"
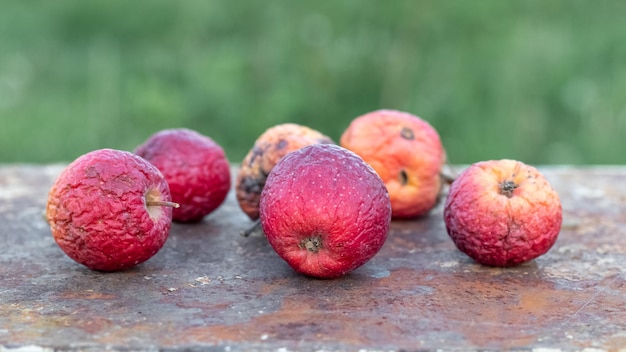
{"x": 542, "y": 81}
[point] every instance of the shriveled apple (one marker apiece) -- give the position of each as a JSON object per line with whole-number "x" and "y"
{"x": 110, "y": 210}
{"x": 502, "y": 213}
{"x": 325, "y": 211}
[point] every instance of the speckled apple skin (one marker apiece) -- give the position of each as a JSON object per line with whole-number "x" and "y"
{"x": 421, "y": 158}
{"x": 97, "y": 212}
{"x": 195, "y": 167}
{"x": 327, "y": 191}
{"x": 495, "y": 229}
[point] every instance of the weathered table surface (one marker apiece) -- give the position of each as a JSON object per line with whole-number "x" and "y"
{"x": 210, "y": 288}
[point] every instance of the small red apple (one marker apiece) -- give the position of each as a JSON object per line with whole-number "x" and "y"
{"x": 502, "y": 213}
{"x": 110, "y": 210}
{"x": 324, "y": 210}
{"x": 195, "y": 168}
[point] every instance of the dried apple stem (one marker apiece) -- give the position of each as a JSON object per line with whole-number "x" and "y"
{"x": 161, "y": 203}
{"x": 252, "y": 229}
{"x": 507, "y": 188}
{"x": 448, "y": 179}
{"x": 449, "y": 175}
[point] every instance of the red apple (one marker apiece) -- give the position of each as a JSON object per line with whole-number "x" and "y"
{"x": 502, "y": 213}
{"x": 324, "y": 210}
{"x": 195, "y": 168}
{"x": 110, "y": 210}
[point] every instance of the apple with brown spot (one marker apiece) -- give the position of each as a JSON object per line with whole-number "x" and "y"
{"x": 406, "y": 152}
{"x": 324, "y": 210}
{"x": 276, "y": 142}
{"x": 502, "y": 213}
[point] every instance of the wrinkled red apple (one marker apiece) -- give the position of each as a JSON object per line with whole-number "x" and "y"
{"x": 195, "y": 168}
{"x": 324, "y": 210}
{"x": 502, "y": 213}
{"x": 110, "y": 210}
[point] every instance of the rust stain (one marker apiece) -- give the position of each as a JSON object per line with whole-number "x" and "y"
{"x": 490, "y": 307}
{"x": 88, "y": 295}
{"x": 295, "y": 320}
{"x": 89, "y": 324}
{"x": 498, "y": 310}
{"x": 616, "y": 343}
{"x": 27, "y": 322}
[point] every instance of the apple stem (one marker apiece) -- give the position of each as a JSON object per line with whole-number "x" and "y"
{"x": 161, "y": 203}
{"x": 447, "y": 178}
{"x": 507, "y": 188}
{"x": 448, "y": 175}
{"x": 252, "y": 229}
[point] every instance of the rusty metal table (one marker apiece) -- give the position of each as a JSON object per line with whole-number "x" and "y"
{"x": 211, "y": 289}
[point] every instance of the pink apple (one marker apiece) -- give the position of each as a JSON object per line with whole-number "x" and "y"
{"x": 324, "y": 210}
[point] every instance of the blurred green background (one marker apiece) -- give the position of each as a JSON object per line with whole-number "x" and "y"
{"x": 542, "y": 81}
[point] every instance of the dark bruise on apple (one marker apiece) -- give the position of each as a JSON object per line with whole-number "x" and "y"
{"x": 325, "y": 211}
